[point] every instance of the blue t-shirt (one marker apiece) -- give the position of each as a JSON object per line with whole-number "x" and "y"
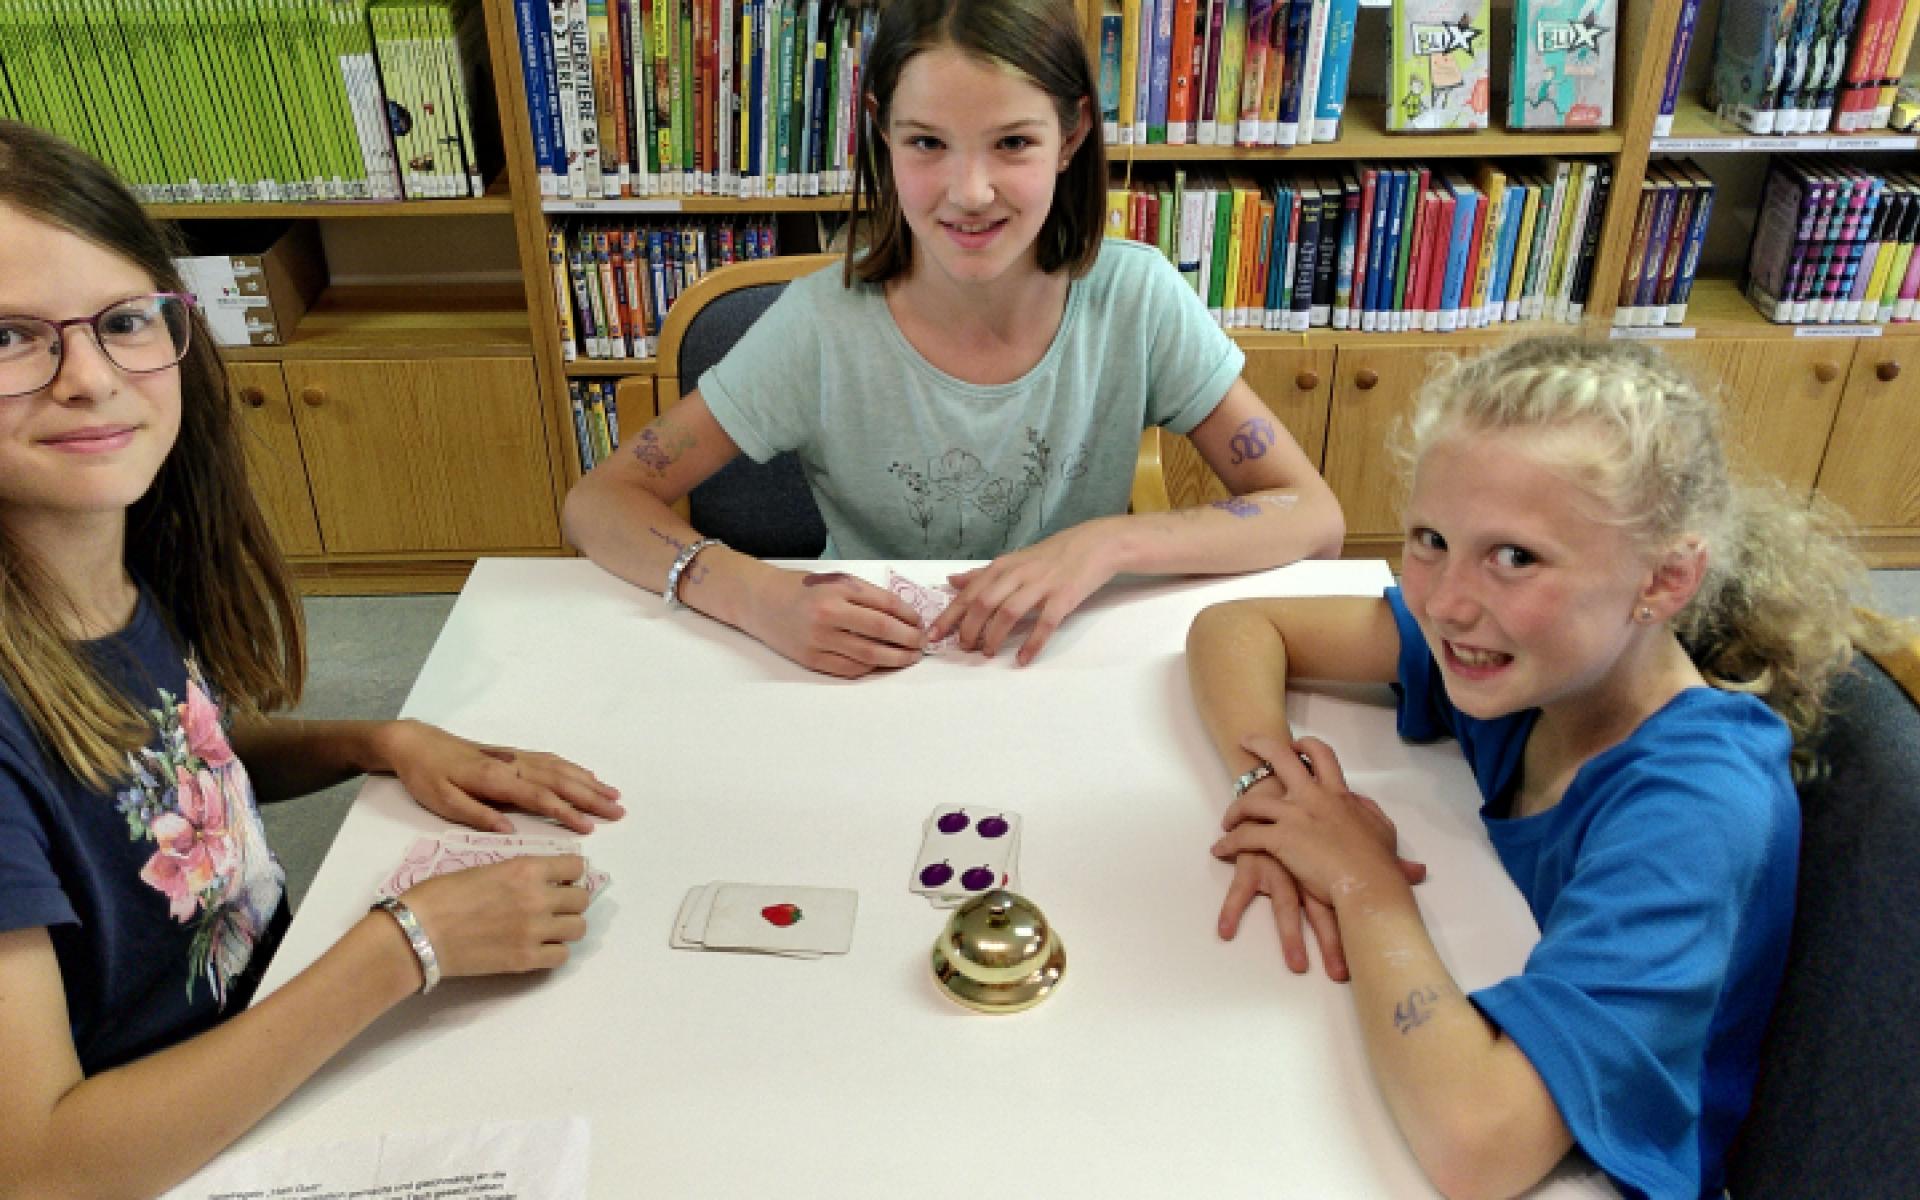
{"x": 907, "y": 461}
{"x": 161, "y": 898}
{"x": 1663, "y": 885}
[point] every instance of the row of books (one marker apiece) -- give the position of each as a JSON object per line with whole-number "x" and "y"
{"x": 1836, "y": 244}
{"x": 1799, "y": 66}
{"x": 1379, "y": 248}
{"x": 613, "y": 284}
{"x": 596, "y": 419}
{"x": 1669, "y": 230}
{"x": 1276, "y": 72}
{"x": 741, "y": 98}
{"x": 274, "y": 100}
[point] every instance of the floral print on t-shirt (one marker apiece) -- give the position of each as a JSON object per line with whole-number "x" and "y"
{"x": 191, "y": 798}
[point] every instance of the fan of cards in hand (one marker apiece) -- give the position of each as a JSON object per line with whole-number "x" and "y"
{"x": 966, "y": 850}
{"x": 929, "y": 602}
{"x": 429, "y": 857}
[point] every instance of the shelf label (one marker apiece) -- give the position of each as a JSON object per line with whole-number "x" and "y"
{"x": 1876, "y": 143}
{"x": 618, "y": 206}
{"x": 1653, "y": 333}
{"x": 1831, "y": 331}
{"x": 1695, "y": 145}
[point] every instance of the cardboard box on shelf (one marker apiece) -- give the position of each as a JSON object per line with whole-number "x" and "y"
{"x": 254, "y": 280}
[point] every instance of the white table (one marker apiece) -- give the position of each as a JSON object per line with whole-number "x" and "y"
{"x": 1168, "y": 1063}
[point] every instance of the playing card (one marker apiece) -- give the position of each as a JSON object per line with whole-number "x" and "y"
{"x": 690, "y": 923}
{"x": 779, "y": 919}
{"x": 929, "y": 602}
{"x": 430, "y": 857}
{"x": 966, "y": 850}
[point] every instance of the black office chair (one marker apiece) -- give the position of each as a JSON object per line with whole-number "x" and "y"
{"x": 1836, "y": 1111}
{"x": 762, "y": 509}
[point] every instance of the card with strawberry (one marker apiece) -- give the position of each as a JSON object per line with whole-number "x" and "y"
{"x": 795, "y": 922}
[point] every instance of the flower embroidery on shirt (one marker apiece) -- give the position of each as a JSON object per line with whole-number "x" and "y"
{"x": 191, "y": 798}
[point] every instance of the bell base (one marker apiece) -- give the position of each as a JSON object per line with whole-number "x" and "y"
{"x": 1017, "y": 996}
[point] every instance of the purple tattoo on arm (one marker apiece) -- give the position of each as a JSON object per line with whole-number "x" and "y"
{"x": 1252, "y": 440}
{"x": 1238, "y": 506}
{"x": 1416, "y": 1010}
{"x": 694, "y": 572}
{"x": 660, "y": 445}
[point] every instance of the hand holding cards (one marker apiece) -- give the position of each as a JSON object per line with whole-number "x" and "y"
{"x": 966, "y": 850}
{"x": 929, "y": 602}
{"x": 430, "y": 857}
{"x": 793, "y": 922}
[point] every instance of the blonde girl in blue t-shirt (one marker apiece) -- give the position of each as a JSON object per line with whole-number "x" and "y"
{"x": 1627, "y": 646}
{"x": 978, "y": 210}
{"x": 147, "y": 629}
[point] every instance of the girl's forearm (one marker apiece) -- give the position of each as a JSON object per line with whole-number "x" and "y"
{"x": 141, "y": 1128}
{"x": 287, "y": 757}
{"x": 1237, "y": 668}
{"x": 1240, "y": 533}
{"x": 1469, "y": 1103}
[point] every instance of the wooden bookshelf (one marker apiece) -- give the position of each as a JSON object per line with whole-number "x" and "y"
{"x": 498, "y": 200}
{"x": 405, "y": 321}
{"x": 1719, "y": 308}
{"x": 1363, "y": 135}
{"x": 1697, "y": 129}
{"x": 656, "y": 205}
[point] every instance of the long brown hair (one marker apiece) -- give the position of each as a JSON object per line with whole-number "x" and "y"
{"x": 196, "y": 539}
{"x": 1041, "y": 40}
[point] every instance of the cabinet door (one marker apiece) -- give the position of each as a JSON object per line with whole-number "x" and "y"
{"x": 264, "y": 420}
{"x": 425, "y": 455}
{"x": 1373, "y": 388}
{"x": 1778, "y": 398}
{"x": 1294, "y": 384}
{"x": 1872, "y": 466}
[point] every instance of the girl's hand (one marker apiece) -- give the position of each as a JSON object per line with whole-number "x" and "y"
{"x": 835, "y": 624}
{"x": 504, "y": 918}
{"x": 465, "y": 782}
{"x": 1050, "y": 578}
{"x": 1331, "y": 841}
{"x": 1257, "y": 874}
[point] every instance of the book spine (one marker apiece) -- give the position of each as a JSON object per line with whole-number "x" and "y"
{"x": 1676, "y": 67}
{"x": 1159, "y": 71}
{"x": 1335, "y": 68}
{"x": 1310, "y": 70}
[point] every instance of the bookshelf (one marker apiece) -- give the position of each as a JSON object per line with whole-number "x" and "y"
{"x": 406, "y": 426}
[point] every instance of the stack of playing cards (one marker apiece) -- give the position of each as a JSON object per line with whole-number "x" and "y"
{"x": 966, "y": 850}
{"x": 758, "y": 918}
{"x": 929, "y": 602}
{"x": 456, "y": 851}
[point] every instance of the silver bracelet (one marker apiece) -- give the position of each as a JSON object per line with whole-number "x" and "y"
{"x": 417, "y": 938}
{"x": 679, "y": 568}
{"x": 1240, "y": 785}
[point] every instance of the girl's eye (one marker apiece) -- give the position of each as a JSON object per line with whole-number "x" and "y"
{"x": 1513, "y": 557}
{"x": 1426, "y": 540}
{"x": 126, "y": 322}
{"x": 924, "y": 143}
{"x": 1015, "y": 142}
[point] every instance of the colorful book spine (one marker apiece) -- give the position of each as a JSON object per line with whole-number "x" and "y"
{"x": 1335, "y": 69}
{"x": 1676, "y": 66}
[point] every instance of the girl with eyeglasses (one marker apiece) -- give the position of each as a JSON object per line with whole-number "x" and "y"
{"x": 148, "y": 630}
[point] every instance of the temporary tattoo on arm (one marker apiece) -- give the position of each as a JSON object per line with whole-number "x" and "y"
{"x": 816, "y": 578}
{"x": 1237, "y": 506}
{"x": 1416, "y": 1010}
{"x": 694, "y": 572}
{"x": 661, "y": 445}
{"x": 1252, "y": 440}
{"x": 1245, "y": 506}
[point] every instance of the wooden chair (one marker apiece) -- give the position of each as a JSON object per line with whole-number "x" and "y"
{"x": 1836, "y": 1110}
{"x": 765, "y": 509}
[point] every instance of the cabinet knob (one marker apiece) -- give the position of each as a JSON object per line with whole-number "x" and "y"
{"x": 1306, "y": 381}
{"x": 1887, "y": 372}
{"x": 1366, "y": 378}
{"x": 313, "y": 397}
{"x": 1826, "y": 372}
{"x": 253, "y": 397}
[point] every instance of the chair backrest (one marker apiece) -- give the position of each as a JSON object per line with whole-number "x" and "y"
{"x": 1836, "y": 1111}
{"x": 762, "y": 509}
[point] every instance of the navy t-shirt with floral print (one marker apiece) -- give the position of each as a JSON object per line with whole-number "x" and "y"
{"x": 160, "y": 896}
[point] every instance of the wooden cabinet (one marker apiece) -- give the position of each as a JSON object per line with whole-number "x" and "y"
{"x": 1294, "y": 384}
{"x": 426, "y": 455}
{"x": 1872, "y": 464}
{"x": 1778, "y": 398}
{"x": 275, "y": 469}
{"x": 1373, "y": 387}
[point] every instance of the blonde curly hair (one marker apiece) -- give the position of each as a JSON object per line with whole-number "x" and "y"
{"x": 1774, "y": 614}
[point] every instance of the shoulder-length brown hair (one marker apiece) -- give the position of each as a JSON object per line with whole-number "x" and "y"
{"x": 196, "y": 539}
{"x": 1041, "y": 39}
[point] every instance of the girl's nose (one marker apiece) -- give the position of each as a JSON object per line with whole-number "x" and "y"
{"x": 970, "y": 187}
{"x": 1450, "y": 598}
{"x": 86, "y": 373}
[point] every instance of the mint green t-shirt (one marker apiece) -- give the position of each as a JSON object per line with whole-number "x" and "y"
{"x": 906, "y": 461}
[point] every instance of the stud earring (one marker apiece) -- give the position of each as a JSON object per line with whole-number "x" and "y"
{"x": 1645, "y": 614}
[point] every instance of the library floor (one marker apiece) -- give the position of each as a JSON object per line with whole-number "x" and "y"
{"x": 365, "y": 653}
